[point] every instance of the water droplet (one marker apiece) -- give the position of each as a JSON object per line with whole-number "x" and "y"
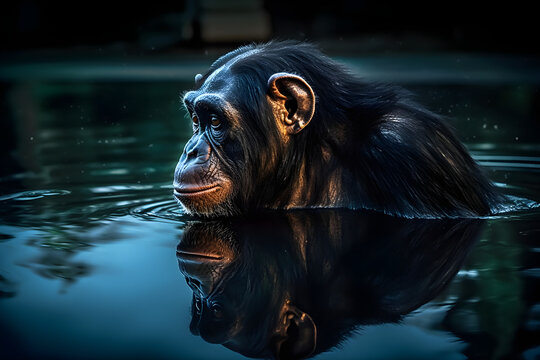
{"x": 517, "y": 138}
{"x": 31, "y": 138}
{"x": 484, "y": 126}
{"x": 496, "y": 127}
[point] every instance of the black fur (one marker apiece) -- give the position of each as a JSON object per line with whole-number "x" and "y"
{"x": 393, "y": 155}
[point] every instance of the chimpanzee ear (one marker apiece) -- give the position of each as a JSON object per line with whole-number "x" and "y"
{"x": 296, "y": 334}
{"x": 292, "y": 99}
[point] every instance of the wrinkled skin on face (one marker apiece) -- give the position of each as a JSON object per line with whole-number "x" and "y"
{"x": 202, "y": 183}
{"x": 232, "y": 161}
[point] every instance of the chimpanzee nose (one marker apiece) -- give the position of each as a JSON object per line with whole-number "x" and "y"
{"x": 200, "y": 151}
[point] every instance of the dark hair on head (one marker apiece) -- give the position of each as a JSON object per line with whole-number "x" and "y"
{"x": 348, "y": 103}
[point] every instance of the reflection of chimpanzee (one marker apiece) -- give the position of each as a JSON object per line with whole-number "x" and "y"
{"x": 295, "y": 284}
{"x": 280, "y": 125}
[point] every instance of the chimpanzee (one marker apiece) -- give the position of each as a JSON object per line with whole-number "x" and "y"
{"x": 290, "y": 285}
{"x": 281, "y": 126}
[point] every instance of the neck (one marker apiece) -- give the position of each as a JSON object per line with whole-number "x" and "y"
{"x": 313, "y": 188}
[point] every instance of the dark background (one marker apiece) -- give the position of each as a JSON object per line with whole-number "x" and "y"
{"x": 364, "y": 26}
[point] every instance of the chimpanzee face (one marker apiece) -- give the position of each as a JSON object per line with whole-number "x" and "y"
{"x": 203, "y": 180}
{"x": 216, "y": 166}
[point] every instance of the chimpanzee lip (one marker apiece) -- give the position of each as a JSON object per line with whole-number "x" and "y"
{"x": 194, "y": 190}
{"x": 197, "y": 255}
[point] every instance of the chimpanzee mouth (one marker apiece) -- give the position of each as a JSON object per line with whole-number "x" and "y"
{"x": 189, "y": 255}
{"x": 186, "y": 191}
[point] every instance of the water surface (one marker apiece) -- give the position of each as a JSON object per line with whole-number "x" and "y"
{"x": 89, "y": 232}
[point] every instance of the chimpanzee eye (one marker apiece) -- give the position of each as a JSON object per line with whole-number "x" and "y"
{"x": 195, "y": 119}
{"x": 216, "y": 129}
{"x": 215, "y": 121}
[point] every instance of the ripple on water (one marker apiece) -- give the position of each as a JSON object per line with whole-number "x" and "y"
{"x": 145, "y": 201}
{"x": 514, "y": 206}
{"x": 33, "y": 194}
{"x": 160, "y": 210}
{"x": 86, "y": 205}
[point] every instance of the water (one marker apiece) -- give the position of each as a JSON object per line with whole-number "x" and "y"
{"x": 89, "y": 232}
